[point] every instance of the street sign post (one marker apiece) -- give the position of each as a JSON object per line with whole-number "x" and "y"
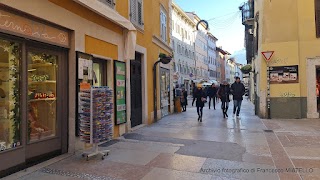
{"x": 267, "y": 56}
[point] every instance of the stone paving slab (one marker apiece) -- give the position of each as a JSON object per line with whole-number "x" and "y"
{"x": 161, "y": 174}
{"x": 179, "y": 147}
{"x": 240, "y": 170}
{"x": 178, "y": 162}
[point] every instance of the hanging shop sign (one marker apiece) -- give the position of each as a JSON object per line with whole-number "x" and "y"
{"x": 120, "y": 92}
{"x": 284, "y": 74}
{"x": 33, "y": 29}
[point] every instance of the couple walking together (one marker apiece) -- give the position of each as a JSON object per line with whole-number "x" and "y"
{"x": 237, "y": 89}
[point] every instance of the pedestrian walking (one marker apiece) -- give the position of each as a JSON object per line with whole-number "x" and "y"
{"x": 237, "y": 90}
{"x": 224, "y": 95}
{"x": 200, "y": 96}
{"x": 217, "y": 97}
{"x": 212, "y": 93}
{"x": 183, "y": 100}
{"x": 194, "y": 93}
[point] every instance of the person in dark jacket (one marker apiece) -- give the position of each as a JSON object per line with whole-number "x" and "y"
{"x": 224, "y": 95}
{"x": 194, "y": 93}
{"x": 184, "y": 100}
{"x": 200, "y": 96}
{"x": 217, "y": 97}
{"x": 237, "y": 90}
{"x": 212, "y": 93}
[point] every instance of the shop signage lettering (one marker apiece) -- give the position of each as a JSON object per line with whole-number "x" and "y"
{"x": 120, "y": 92}
{"x": 121, "y": 107}
{"x": 120, "y": 71}
{"x": 27, "y": 27}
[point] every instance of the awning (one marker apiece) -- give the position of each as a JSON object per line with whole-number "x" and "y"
{"x": 112, "y": 15}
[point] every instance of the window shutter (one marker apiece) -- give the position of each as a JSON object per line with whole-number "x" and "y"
{"x": 161, "y": 20}
{"x": 165, "y": 27}
{"x": 140, "y": 10}
{"x": 317, "y": 17}
{"x": 133, "y": 8}
{"x": 110, "y": 3}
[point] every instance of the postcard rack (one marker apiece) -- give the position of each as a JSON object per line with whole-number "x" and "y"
{"x": 95, "y": 113}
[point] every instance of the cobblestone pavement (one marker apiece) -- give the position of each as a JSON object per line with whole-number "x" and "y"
{"x": 178, "y": 147}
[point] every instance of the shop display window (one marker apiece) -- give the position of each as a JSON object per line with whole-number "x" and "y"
{"x": 10, "y": 57}
{"x": 42, "y": 76}
{"x": 97, "y": 74}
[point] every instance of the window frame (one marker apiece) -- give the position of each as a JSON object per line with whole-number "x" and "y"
{"x": 135, "y": 19}
{"x": 163, "y": 25}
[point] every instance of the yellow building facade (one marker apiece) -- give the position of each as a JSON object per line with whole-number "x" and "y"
{"x": 153, "y": 38}
{"x": 120, "y": 41}
{"x": 287, "y": 27}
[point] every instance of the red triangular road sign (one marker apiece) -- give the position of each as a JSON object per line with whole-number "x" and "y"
{"x": 267, "y": 55}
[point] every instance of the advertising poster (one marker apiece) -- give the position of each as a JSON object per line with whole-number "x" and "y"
{"x": 85, "y": 69}
{"x": 284, "y": 74}
{"x": 120, "y": 92}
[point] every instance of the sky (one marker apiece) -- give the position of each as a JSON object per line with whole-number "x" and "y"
{"x": 224, "y": 18}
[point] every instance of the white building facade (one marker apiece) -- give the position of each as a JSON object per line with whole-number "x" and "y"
{"x": 183, "y": 47}
{"x": 228, "y": 71}
{"x": 201, "y": 49}
{"x": 212, "y": 57}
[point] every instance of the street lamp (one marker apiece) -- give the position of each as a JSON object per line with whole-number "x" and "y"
{"x": 164, "y": 59}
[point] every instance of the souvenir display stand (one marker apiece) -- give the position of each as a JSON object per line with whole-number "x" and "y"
{"x": 95, "y": 111}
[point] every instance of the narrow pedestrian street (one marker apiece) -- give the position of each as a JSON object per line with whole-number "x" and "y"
{"x": 179, "y": 147}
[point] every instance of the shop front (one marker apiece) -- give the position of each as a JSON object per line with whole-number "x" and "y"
{"x": 165, "y": 91}
{"x": 33, "y": 105}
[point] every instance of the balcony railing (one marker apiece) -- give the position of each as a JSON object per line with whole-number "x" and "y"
{"x": 247, "y": 12}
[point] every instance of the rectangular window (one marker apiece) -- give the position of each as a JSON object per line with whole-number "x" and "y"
{"x": 163, "y": 25}
{"x": 10, "y": 120}
{"x": 136, "y": 12}
{"x": 42, "y": 78}
{"x": 110, "y": 3}
{"x": 172, "y": 24}
{"x": 317, "y": 18}
{"x": 182, "y": 33}
{"x": 173, "y": 46}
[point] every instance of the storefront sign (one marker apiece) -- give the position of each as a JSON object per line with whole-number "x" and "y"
{"x": 284, "y": 74}
{"x": 120, "y": 92}
{"x": 35, "y": 30}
